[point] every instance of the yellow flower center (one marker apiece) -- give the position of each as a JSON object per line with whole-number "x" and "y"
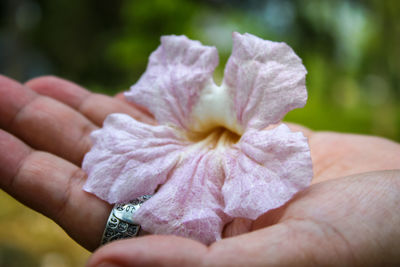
{"x": 215, "y": 138}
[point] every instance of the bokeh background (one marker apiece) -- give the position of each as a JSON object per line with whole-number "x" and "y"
{"x": 351, "y": 50}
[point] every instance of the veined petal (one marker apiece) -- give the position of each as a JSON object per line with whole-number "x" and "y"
{"x": 129, "y": 159}
{"x": 176, "y": 73}
{"x": 264, "y": 170}
{"x": 190, "y": 203}
{"x": 265, "y": 79}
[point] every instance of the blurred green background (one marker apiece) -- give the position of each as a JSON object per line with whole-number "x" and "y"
{"x": 351, "y": 50}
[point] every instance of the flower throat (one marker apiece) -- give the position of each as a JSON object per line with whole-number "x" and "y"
{"x": 215, "y": 138}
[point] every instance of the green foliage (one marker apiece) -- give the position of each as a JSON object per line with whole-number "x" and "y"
{"x": 350, "y": 48}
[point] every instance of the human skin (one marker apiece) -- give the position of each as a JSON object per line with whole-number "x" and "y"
{"x": 350, "y": 215}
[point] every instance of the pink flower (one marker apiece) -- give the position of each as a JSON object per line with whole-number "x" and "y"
{"x": 210, "y": 160}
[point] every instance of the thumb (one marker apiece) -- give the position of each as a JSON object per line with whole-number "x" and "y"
{"x": 278, "y": 245}
{"x": 154, "y": 250}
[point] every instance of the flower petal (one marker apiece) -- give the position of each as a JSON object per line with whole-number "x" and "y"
{"x": 175, "y": 74}
{"x": 129, "y": 158}
{"x": 190, "y": 203}
{"x": 265, "y": 79}
{"x": 264, "y": 170}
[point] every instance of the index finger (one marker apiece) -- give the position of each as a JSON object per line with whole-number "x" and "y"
{"x": 96, "y": 107}
{"x": 44, "y": 123}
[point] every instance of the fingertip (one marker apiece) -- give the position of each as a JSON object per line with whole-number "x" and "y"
{"x": 13, "y": 98}
{"x": 40, "y": 78}
{"x": 142, "y": 109}
{"x": 46, "y": 80}
{"x": 7, "y": 81}
{"x": 120, "y": 96}
{"x": 62, "y": 90}
{"x": 300, "y": 128}
{"x": 42, "y": 82}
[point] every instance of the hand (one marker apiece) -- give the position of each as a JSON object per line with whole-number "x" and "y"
{"x": 45, "y": 126}
{"x": 321, "y": 225}
{"x": 347, "y": 221}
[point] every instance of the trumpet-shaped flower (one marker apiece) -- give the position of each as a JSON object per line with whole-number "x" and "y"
{"x": 210, "y": 159}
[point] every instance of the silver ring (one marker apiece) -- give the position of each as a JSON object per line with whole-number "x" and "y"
{"x": 121, "y": 223}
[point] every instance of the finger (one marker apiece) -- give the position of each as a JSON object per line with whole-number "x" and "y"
{"x": 337, "y": 155}
{"x": 150, "y": 251}
{"x": 53, "y": 187}
{"x": 95, "y": 107}
{"x": 293, "y": 127}
{"x": 299, "y": 128}
{"x": 122, "y": 98}
{"x": 278, "y": 245}
{"x": 44, "y": 123}
{"x": 291, "y": 244}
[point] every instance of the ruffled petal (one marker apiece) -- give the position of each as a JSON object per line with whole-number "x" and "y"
{"x": 175, "y": 75}
{"x": 265, "y": 79}
{"x": 264, "y": 170}
{"x": 190, "y": 203}
{"x": 129, "y": 159}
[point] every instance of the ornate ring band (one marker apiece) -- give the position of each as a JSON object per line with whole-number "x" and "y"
{"x": 121, "y": 223}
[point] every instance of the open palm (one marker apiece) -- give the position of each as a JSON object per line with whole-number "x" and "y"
{"x": 350, "y": 215}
